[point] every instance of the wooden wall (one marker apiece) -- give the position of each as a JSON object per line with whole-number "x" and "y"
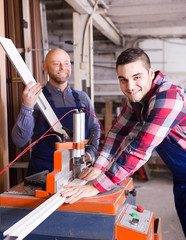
{"x": 17, "y": 26}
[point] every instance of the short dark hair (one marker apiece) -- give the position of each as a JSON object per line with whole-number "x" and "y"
{"x": 132, "y": 55}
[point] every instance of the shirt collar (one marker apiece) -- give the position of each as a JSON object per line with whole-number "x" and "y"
{"x": 56, "y": 89}
{"x": 157, "y": 81}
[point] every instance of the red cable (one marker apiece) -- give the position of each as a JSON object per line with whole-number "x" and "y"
{"x": 32, "y": 144}
{"x": 99, "y": 123}
{"x": 44, "y": 135}
{"x": 24, "y": 151}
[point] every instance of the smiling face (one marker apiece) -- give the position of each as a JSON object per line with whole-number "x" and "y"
{"x": 58, "y": 66}
{"x": 135, "y": 80}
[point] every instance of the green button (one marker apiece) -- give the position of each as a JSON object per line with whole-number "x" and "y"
{"x": 134, "y": 215}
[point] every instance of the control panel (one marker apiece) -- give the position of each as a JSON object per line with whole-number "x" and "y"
{"x": 136, "y": 219}
{"x": 136, "y": 222}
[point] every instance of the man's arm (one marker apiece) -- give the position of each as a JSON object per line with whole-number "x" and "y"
{"x": 162, "y": 118}
{"x": 23, "y": 129}
{"x": 123, "y": 125}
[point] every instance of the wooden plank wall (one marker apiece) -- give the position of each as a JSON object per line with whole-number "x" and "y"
{"x": 11, "y": 90}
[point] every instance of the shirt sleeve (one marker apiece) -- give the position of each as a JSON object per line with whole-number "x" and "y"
{"x": 23, "y": 128}
{"x": 114, "y": 140}
{"x": 166, "y": 109}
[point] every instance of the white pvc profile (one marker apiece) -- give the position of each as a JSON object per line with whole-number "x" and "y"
{"x": 27, "y": 224}
{"x": 77, "y": 132}
{"x": 26, "y": 76}
{"x": 82, "y": 130}
{"x": 82, "y": 122}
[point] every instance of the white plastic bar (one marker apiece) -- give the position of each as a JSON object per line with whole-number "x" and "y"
{"x": 82, "y": 114}
{"x": 27, "y": 224}
{"x": 82, "y": 125}
{"x": 26, "y": 76}
{"x": 77, "y": 132}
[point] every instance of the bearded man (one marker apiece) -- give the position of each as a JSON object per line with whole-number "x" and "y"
{"x": 62, "y": 98}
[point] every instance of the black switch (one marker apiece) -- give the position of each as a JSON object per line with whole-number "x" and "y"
{"x": 135, "y": 221}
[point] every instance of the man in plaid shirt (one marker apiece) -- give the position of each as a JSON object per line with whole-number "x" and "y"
{"x": 159, "y": 108}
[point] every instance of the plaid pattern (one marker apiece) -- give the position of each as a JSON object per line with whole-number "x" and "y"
{"x": 161, "y": 115}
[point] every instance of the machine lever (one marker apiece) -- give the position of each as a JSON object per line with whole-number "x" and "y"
{"x": 70, "y": 133}
{"x": 90, "y": 140}
{"x": 61, "y": 135}
{"x": 132, "y": 192}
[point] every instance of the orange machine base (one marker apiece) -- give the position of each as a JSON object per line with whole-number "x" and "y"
{"x": 108, "y": 203}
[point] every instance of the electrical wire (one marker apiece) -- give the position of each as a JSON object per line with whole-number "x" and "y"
{"x": 25, "y": 150}
{"x": 32, "y": 144}
{"x": 99, "y": 123}
{"x": 48, "y": 135}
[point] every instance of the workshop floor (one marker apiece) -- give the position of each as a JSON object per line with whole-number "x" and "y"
{"x": 156, "y": 195}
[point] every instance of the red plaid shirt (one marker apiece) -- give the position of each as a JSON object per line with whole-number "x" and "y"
{"x": 161, "y": 115}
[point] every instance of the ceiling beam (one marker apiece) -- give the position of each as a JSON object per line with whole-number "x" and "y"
{"x": 148, "y": 24}
{"x": 174, "y": 17}
{"x": 137, "y": 2}
{"x": 147, "y": 9}
{"x": 103, "y": 24}
{"x": 156, "y": 32}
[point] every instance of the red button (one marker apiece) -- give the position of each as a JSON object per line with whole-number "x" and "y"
{"x": 140, "y": 208}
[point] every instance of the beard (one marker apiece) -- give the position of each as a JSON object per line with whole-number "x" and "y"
{"x": 59, "y": 79}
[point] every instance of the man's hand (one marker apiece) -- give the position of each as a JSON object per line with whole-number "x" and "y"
{"x": 88, "y": 157}
{"x": 30, "y": 94}
{"x": 73, "y": 192}
{"x": 89, "y": 174}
